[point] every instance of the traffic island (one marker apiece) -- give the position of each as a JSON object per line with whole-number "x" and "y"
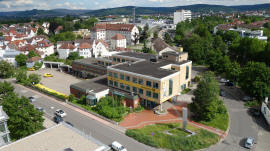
{"x": 176, "y": 139}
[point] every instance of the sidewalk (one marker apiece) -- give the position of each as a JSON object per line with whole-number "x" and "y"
{"x": 116, "y": 127}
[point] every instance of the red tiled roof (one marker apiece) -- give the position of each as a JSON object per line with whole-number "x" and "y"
{"x": 67, "y": 46}
{"x": 114, "y": 27}
{"x": 85, "y": 45}
{"x": 118, "y": 37}
{"x": 103, "y": 42}
{"x": 17, "y": 42}
{"x": 44, "y": 43}
{"x": 33, "y": 59}
{"x": 8, "y": 38}
{"x": 28, "y": 48}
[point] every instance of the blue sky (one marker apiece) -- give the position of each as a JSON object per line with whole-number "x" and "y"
{"x": 11, "y": 5}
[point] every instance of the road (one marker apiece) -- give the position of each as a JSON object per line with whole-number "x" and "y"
{"x": 89, "y": 126}
{"x": 242, "y": 124}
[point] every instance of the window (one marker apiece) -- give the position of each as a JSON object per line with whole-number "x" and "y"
{"x": 134, "y": 89}
{"x": 5, "y": 138}
{"x": 134, "y": 80}
{"x": 110, "y": 82}
{"x": 2, "y": 127}
{"x": 127, "y": 78}
{"x": 122, "y": 86}
{"x": 122, "y": 77}
{"x": 123, "y": 60}
{"x": 127, "y": 87}
{"x": 187, "y": 72}
{"x": 155, "y": 95}
{"x": 148, "y": 93}
{"x": 155, "y": 85}
{"x": 170, "y": 86}
{"x": 115, "y": 75}
{"x": 141, "y": 81}
{"x": 110, "y": 74}
{"x": 141, "y": 91}
{"x": 148, "y": 83}
{"x": 118, "y": 59}
{"x": 114, "y": 59}
{"x": 115, "y": 84}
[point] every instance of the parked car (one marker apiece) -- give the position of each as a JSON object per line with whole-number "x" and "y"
{"x": 118, "y": 147}
{"x": 58, "y": 119}
{"x": 222, "y": 80}
{"x": 247, "y": 98}
{"x": 47, "y": 75}
{"x": 32, "y": 99}
{"x": 60, "y": 113}
{"x": 222, "y": 92}
{"x": 31, "y": 69}
{"x": 254, "y": 112}
{"x": 229, "y": 83}
{"x": 40, "y": 109}
{"x": 249, "y": 143}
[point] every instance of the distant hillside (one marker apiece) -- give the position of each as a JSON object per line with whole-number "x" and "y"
{"x": 128, "y": 10}
{"x": 167, "y": 10}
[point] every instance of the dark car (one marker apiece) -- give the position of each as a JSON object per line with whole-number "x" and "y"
{"x": 229, "y": 84}
{"x": 58, "y": 119}
{"x": 222, "y": 92}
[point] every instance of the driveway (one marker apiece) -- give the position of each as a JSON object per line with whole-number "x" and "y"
{"x": 59, "y": 82}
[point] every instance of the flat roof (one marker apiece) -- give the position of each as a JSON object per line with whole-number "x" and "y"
{"x": 152, "y": 69}
{"x": 137, "y": 55}
{"x": 61, "y": 137}
{"x": 97, "y": 84}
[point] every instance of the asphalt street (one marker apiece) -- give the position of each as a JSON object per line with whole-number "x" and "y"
{"x": 242, "y": 124}
{"x": 89, "y": 126}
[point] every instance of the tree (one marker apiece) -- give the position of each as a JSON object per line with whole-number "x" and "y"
{"x": 155, "y": 34}
{"x": 21, "y": 76}
{"x": 255, "y": 80}
{"x": 179, "y": 33}
{"x": 71, "y": 98}
{"x": 74, "y": 56}
{"x": 136, "y": 38}
{"x": 32, "y": 54}
{"x": 145, "y": 33}
{"x": 167, "y": 38}
{"x": 40, "y": 31}
{"x": 53, "y": 26}
{"x": 233, "y": 71}
{"x": 24, "y": 119}
{"x": 34, "y": 78}
{"x": 21, "y": 60}
{"x": 6, "y": 69}
{"x": 1, "y": 34}
{"x": 206, "y": 103}
{"x": 88, "y": 24}
{"x": 220, "y": 45}
{"x": 77, "y": 25}
{"x": 5, "y": 88}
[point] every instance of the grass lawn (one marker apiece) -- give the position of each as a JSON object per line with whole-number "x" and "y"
{"x": 156, "y": 136}
{"x": 221, "y": 122}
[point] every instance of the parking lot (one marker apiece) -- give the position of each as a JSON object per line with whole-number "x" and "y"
{"x": 59, "y": 82}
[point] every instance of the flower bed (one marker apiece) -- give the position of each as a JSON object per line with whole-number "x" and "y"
{"x": 51, "y": 91}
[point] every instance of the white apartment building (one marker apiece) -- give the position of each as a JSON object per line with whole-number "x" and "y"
{"x": 107, "y": 31}
{"x": 181, "y": 15}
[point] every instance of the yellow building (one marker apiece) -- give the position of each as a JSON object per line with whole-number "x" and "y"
{"x": 147, "y": 78}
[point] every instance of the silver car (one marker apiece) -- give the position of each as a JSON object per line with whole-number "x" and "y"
{"x": 249, "y": 143}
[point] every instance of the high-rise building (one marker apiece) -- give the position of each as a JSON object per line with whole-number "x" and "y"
{"x": 181, "y": 15}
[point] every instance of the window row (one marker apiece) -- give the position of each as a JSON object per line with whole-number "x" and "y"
{"x": 134, "y": 89}
{"x": 135, "y": 80}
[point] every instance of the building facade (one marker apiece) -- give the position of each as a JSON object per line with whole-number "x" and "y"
{"x": 4, "y": 132}
{"x": 181, "y": 15}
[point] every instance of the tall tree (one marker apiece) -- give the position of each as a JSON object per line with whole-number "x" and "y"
{"x": 40, "y": 31}
{"x": 21, "y": 60}
{"x": 24, "y": 119}
{"x": 6, "y": 69}
{"x": 255, "y": 80}
{"x": 206, "y": 102}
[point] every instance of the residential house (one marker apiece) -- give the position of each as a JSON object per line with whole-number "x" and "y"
{"x": 100, "y": 49}
{"x": 160, "y": 46}
{"x": 118, "y": 41}
{"x": 85, "y": 50}
{"x": 31, "y": 61}
{"x": 45, "y": 46}
{"x": 65, "y": 49}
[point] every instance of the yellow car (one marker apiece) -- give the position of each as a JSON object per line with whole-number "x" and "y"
{"x": 31, "y": 69}
{"x": 47, "y": 75}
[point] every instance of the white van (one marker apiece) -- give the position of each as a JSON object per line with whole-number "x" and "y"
{"x": 117, "y": 146}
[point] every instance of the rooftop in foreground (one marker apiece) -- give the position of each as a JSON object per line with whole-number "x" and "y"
{"x": 61, "y": 137}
